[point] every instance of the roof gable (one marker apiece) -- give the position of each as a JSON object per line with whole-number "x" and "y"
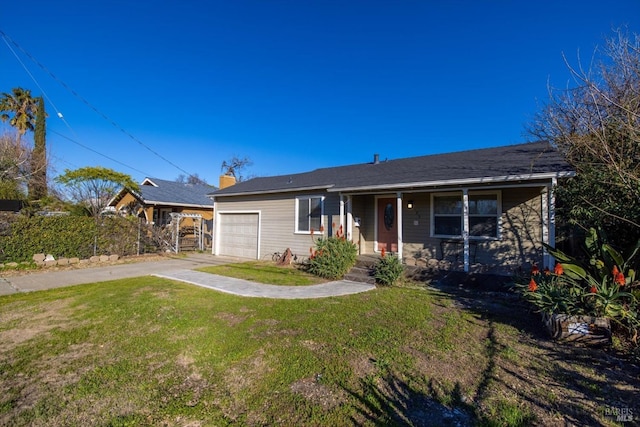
{"x": 160, "y": 191}
{"x": 525, "y": 161}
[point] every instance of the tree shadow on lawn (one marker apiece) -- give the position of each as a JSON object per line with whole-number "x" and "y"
{"x": 392, "y": 401}
{"x": 580, "y": 385}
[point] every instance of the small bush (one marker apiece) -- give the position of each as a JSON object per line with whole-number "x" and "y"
{"x": 333, "y": 257}
{"x": 388, "y": 270}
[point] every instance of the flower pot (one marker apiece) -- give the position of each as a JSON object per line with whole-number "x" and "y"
{"x": 587, "y": 330}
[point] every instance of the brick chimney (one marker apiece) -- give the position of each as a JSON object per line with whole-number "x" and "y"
{"x": 226, "y": 181}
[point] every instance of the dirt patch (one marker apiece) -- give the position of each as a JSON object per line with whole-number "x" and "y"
{"x": 317, "y": 393}
{"x": 362, "y": 366}
{"x": 244, "y": 375}
{"x": 42, "y": 319}
{"x": 240, "y": 381}
{"x": 231, "y": 319}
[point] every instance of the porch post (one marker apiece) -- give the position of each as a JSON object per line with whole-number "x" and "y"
{"x": 349, "y": 218}
{"x": 552, "y": 218}
{"x": 548, "y": 221}
{"x": 342, "y": 224}
{"x": 399, "y": 216}
{"x": 465, "y": 227}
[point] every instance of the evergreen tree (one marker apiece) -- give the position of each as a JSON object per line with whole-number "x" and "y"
{"x": 38, "y": 178}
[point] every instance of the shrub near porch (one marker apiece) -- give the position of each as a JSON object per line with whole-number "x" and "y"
{"x": 332, "y": 256}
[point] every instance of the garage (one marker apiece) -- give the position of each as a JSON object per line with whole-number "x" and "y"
{"x": 238, "y": 234}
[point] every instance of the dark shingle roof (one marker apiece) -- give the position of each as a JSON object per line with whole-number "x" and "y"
{"x": 522, "y": 160}
{"x": 175, "y": 193}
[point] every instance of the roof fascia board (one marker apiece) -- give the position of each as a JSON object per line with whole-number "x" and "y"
{"x": 148, "y": 181}
{"x": 530, "y": 184}
{"x": 188, "y": 205}
{"x": 281, "y": 190}
{"x": 452, "y": 182}
{"x": 120, "y": 195}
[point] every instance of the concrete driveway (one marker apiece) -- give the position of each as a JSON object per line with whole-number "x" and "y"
{"x": 39, "y": 280}
{"x": 180, "y": 269}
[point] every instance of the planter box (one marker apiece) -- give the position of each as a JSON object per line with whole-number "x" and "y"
{"x": 583, "y": 329}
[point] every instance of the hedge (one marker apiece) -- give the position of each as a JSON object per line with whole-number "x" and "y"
{"x": 67, "y": 237}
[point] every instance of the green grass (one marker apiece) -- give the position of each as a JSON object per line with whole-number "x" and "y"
{"x": 264, "y": 272}
{"x": 149, "y": 351}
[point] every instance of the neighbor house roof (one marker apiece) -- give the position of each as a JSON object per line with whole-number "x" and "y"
{"x": 154, "y": 191}
{"x": 529, "y": 161}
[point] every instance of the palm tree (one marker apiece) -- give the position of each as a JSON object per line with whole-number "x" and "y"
{"x": 20, "y": 109}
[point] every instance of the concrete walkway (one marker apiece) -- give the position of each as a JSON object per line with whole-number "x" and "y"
{"x": 246, "y": 288}
{"x": 181, "y": 269}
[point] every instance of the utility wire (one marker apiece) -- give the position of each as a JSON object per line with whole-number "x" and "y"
{"x": 103, "y": 155}
{"x": 8, "y": 39}
{"x": 44, "y": 93}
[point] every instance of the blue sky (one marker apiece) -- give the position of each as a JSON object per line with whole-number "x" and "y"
{"x": 293, "y": 85}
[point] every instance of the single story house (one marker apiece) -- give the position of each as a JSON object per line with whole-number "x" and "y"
{"x": 158, "y": 199}
{"x": 484, "y": 210}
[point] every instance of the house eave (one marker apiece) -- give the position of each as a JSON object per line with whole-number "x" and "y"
{"x": 457, "y": 182}
{"x": 120, "y": 195}
{"x": 186, "y": 205}
{"x": 278, "y": 190}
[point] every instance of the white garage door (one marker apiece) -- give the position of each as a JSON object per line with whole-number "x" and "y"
{"x": 238, "y": 235}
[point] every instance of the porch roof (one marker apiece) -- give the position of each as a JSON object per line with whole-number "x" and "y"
{"x": 521, "y": 162}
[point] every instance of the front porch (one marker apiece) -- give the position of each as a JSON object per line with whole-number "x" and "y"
{"x": 486, "y": 231}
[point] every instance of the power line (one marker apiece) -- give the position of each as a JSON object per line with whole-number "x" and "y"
{"x": 8, "y": 39}
{"x": 103, "y": 155}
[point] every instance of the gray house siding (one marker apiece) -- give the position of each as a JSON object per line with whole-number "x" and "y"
{"x": 278, "y": 221}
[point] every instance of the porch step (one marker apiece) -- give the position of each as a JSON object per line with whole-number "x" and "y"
{"x": 361, "y": 274}
{"x": 367, "y": 261}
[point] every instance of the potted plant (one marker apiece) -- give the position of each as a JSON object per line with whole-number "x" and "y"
{"x": 580, "y": 298}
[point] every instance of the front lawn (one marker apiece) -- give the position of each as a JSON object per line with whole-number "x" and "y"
{"x": 265, "y": 272}
{"x": 149, "y": 351}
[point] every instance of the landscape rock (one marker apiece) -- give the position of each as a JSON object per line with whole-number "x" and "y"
{"x": 38, "y": 258}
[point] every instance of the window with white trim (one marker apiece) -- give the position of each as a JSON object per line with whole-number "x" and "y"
{"x": 309, "y": 213}
{"x": 484, "y": 215}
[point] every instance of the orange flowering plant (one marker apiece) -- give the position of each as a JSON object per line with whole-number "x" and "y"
{"x": 601, "y": 284}
{"x": 548, "y": 291}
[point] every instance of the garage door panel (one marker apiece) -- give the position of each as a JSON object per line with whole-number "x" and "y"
{"x": 239, "y": 235}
